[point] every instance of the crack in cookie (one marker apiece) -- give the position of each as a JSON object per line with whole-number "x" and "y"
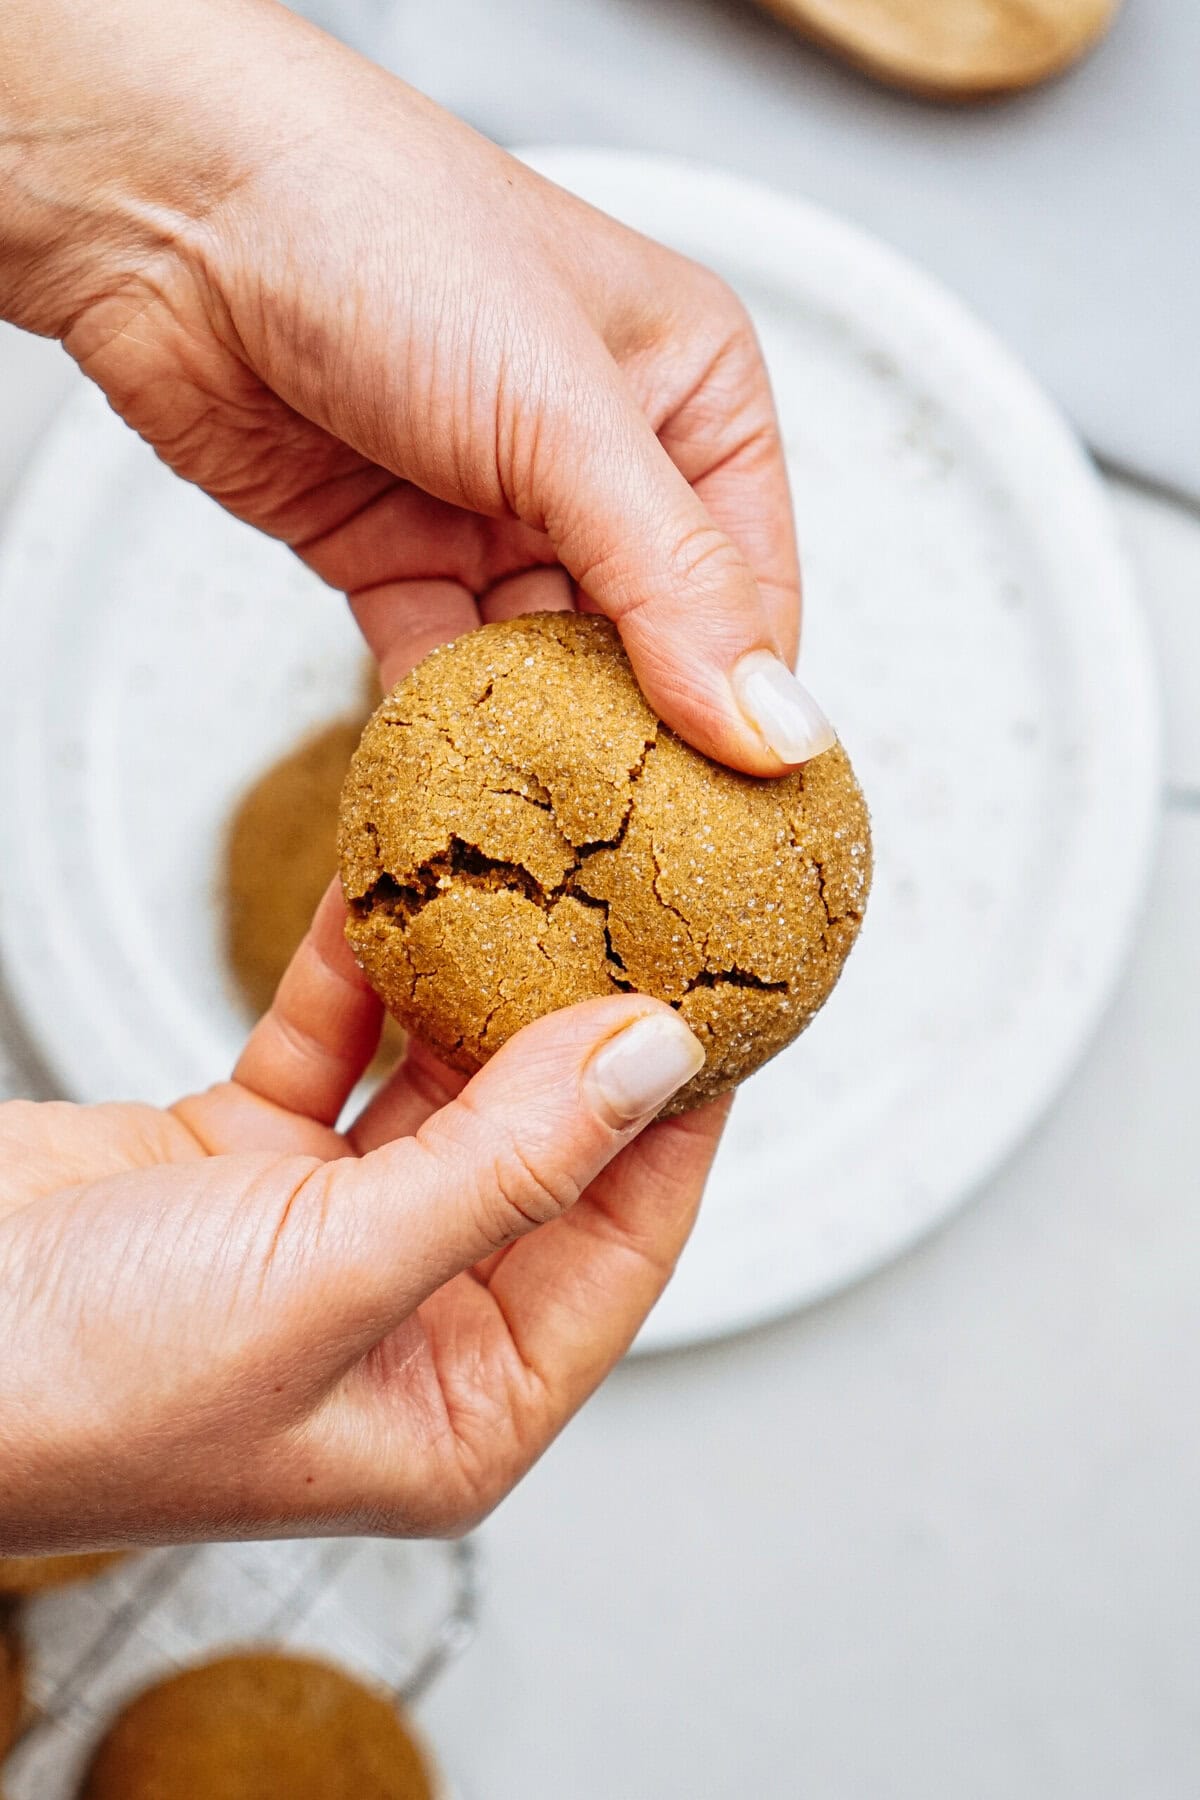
{"x": 518, "y": 832}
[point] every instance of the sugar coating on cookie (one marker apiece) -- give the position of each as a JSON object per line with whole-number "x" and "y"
{"x": 519, "y": 832}
{"x": 259, "y": 1727}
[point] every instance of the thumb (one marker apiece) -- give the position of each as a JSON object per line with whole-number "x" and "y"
{"x": 645, "y": 551}
{"x": 515, "y": 1150}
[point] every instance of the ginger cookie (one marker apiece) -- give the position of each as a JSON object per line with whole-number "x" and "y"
{"x": 259, "y": 1727}
{"x": 34, "y": 1574}
{"x": 519, "y": 832}
{"x": 280, "y": 856}
{"x": 11, "y": 1687}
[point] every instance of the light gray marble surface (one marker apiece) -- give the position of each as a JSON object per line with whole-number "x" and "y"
{"x": 1068, "y": 217}
{"x": 937, "y": 1537}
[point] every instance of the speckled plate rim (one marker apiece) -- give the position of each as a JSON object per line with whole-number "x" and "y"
{"x": 725, "y": 219}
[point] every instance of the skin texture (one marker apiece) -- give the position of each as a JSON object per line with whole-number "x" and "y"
{"x": 459, "y": 394}
{"x": 374, "y": 335}
{"x": 231, "y": 1319}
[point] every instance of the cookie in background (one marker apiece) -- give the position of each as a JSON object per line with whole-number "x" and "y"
{"x": 11, "y": 1682}
{"x": 21, "y": 1575}
{"x": 280, "y": 855}
{"x": 261, "y": 1726}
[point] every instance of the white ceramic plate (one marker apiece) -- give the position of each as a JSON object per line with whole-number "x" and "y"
{"x": 970, "y": 627}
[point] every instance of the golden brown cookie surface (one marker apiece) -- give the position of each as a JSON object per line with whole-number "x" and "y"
{"x": 34, "y": 1574}
{"x": 519, "y": 832}
{"x": 258, "y": 1727}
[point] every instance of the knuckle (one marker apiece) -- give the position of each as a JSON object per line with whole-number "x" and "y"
{"x": 731, "y": 310}
{"x": 703, "y": 556}
{"x": 719, "y": 304}
{"x": 520, "y": 1191}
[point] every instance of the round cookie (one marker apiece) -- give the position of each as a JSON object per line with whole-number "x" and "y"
{"x": 258, "y": 1727}
{"x": 519, "y": 832}
{"x": 11, "y": 1686}
{"x": 280, "y": 855}
{"x": 34, "y": 1574}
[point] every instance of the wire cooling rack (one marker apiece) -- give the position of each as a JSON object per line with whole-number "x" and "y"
{"x": 393, "y": 1612}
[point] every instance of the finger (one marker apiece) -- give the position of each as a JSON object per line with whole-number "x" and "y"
{"x": 642, "y": 545}
{"x": 748, "y": 496}
{"x": 512, "y": 1152}
{"x": 533, "y": 590}
{"x": 403, "y": 621}
{"x": 574, "y": 1298}
{"x": 406, "y": 534}
{"x": 412, "y": 564}
{"x": 306, "y": 1054}
{"x": 497, "y": 1360}
{"x": 419, "y": 1087}
{"x": 725, "y": 440}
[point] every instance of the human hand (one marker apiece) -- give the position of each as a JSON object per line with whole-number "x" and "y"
{"x": 376, "y": 336}
{"x": 229, "y": 1319}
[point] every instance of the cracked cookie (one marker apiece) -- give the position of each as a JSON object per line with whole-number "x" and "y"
{"x": 259, "y": 1727}
{"x": 519, "y": 832}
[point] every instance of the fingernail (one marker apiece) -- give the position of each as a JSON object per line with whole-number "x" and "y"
{"x": 780, "y": 708}
{"x": 637, "y": 1071}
